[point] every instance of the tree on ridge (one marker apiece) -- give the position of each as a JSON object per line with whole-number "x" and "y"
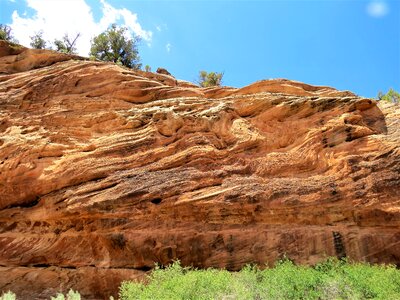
{"x": 116, "y": 46}
{"x": 37, "y": 41}
{"x": 67, "y": 44}
{"x": 6, "y": 34}
{"x": 209, "y": 79}
{"x": 390, "y": 96}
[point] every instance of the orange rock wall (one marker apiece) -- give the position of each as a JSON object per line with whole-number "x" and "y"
{"x": 105, "y": 171}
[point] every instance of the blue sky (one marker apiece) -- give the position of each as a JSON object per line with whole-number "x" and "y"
{"x": 347, "y": 44}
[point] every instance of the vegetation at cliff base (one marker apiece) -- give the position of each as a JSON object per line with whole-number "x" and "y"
{"x": 7, "y": 296}
{"x": 71, "y": 295}
{"x": 332, "y": 279}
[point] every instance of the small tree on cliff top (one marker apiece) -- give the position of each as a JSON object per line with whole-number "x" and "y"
{"x": 116, "y": 46}
{"x": 6, "y": 35}
{"x": 67, "y": 44}
{"x": 37, "y": 41}
{"x": 390, "y": 96}
{"x": 209, "y": 79}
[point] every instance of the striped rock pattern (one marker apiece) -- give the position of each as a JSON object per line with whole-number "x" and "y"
{"x": 105, "y": 171}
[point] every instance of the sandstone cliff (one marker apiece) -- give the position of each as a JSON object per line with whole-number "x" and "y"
{"x": 105, "y": 171}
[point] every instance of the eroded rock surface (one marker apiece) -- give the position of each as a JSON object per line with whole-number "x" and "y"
{"x": 105, "y": 171}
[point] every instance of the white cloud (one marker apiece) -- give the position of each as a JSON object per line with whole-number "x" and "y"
{"x": 130, "y": 20}
{"x": 168, "y": 47}
{"x": 377, "y": 9}
{"x": 55, "y": 18}
{"x": 161, "y": 27}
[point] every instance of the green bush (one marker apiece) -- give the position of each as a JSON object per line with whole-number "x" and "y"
{"x": 6, "y": 34}
{"x": 7, "y": 296}
{"x": 176, "y": 282}
{"x": 391, "y": 96}
{"x": 70, "y": 296}
{"x": 209, "y": 79}
{"x": 332, "y": 279}
{"x": 116, "y": 46}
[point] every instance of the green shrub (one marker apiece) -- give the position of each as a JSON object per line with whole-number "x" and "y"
{"x": 332, "y": 279}
{"x": 115, "y": 45}
{"x": 209, "y": 79}
{"x": 8, "y": 296}
{"x": 373, "y": 281}
{"x": 391, "y": 96}
{"x": 176, "y": 282}
{"x": 6, "y": 34}
{"x": 70, "y": 296}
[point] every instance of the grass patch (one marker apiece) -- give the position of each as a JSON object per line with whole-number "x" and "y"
{"x": 332, "y": 279}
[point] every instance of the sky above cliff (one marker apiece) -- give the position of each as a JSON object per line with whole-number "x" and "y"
{"x": 350, "y": 45}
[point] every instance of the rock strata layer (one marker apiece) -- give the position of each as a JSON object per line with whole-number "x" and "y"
{"x": 105, "y": 171}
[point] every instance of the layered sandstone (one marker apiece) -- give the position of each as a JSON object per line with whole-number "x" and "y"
{"x": 105, "y": 171}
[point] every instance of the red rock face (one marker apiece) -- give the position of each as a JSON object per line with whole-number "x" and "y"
{"x": 105, "y": 171}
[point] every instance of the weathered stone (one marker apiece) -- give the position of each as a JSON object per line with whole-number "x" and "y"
{"x": 105, "y": 171}
{"x": 163, "y": 71}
